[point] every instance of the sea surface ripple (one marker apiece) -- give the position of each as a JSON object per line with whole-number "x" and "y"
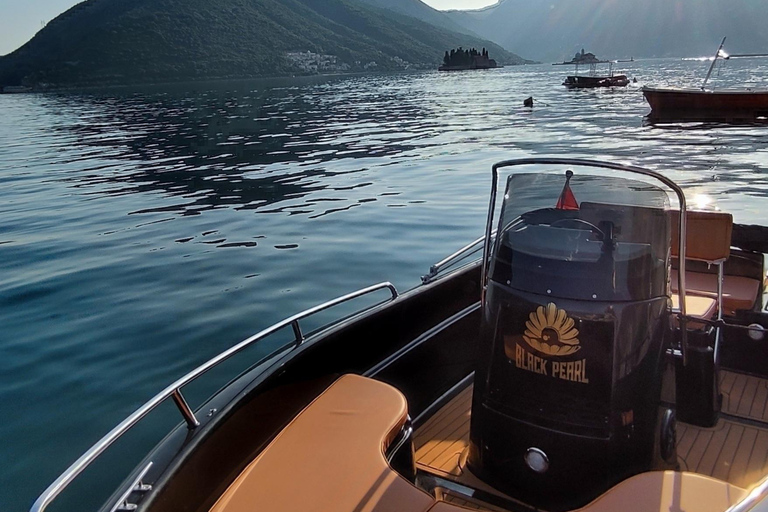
{"x": 144, "y": 231}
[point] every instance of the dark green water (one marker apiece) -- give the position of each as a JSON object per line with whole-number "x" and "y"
{"x": 142, "y": 232}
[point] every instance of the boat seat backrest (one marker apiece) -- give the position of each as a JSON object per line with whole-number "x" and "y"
{"x": 696, "y": 306}
{"x": 637, "y": 224}
{"x": 707, "y": 237}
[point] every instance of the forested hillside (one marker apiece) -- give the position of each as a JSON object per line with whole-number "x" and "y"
{"x": 131, "y": 41}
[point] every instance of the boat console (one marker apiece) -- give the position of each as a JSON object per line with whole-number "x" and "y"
{"x": 575, "y": 329}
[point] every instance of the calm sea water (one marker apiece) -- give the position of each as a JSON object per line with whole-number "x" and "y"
{"x": 142, "y": 232}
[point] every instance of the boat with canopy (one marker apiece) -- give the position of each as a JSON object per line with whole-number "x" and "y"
{"x": 592, "y": 79}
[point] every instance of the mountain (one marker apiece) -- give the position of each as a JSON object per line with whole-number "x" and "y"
{"x": 141, "y": 41}
{"x": 421, "y": 11}
{"x": 554, "y": 30}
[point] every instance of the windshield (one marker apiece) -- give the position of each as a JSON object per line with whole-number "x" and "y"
{"x": 583, "y": 235}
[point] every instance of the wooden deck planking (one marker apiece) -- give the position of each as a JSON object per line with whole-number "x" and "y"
{"x": 685, "y": 439}
{"x": 757, "y": 459}
{"x": 732, "y": 451}
{"x": 728, "y": 452}
{"x": 726, "y": 381}
{"x": 747, "y": 397}
{"x": 758, "y": 404}
{"x": 731, "y": 405}
{"x": 744, "y": 395}
{"x": 440, "y": 442}
{"x": 431, "y": 429}
{"x": 691, "y": 461}
{"x": 706, "y": 465}
{"x": 740, "y": 464}
{"x": 452, "y": 432}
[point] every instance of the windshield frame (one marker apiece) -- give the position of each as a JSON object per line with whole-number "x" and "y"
{"x": 578, "y": 162}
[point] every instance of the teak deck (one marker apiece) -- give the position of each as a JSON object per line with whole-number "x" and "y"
{"x": 744, "y": 395}
{"x": 735, "y": 450}
{"x": 440, "y": 442}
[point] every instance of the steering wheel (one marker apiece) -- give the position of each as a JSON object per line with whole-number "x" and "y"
{"x": 591, "y": 226}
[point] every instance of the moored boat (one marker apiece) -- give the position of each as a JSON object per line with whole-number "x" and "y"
{"x": 589, "y": 82}
{"x": 727, "y": 105}
{"x": 572, "y": 367}
{"x": 702, "y": 104}
{"x": 592, "y": 79}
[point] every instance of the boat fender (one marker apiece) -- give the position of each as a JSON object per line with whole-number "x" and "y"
{"x": 756, "y": 332}
{"x": 668, "y": 437}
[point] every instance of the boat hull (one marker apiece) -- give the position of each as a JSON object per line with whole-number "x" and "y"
{"x": 591, "y": 82}
{"x": 422, "y": 343}
{"x": 702, "y": 105}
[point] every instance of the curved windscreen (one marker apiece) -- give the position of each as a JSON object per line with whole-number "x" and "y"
{"x": 583, "y": 236}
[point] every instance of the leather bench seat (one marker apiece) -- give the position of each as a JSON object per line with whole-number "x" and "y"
{"x": 739, "y": 293}
{"x": 665, "y": 491}
{"x": 697, "y": 307}
{"x": 330, "y": 458}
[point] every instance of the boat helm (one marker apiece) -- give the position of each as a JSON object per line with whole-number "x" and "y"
{"x": 575, "y": 326}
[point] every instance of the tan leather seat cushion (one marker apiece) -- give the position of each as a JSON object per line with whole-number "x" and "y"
{"x": 738, "y": 292}
{"x": 330, "y": 458}
{"x": 707, "y": 235}
{"x": 697, "y": 307}
{"x": 700, "y": 307}
{"x": 665, "y": 491}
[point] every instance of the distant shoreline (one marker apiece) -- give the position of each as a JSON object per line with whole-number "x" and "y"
{"x": 271, "y": 78}
{"x": 214, "y": 80}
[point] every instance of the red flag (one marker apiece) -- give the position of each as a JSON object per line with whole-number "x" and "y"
{"x": 567, "y": 201}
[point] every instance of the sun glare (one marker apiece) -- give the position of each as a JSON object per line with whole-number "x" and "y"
{"x": 703, "y": 202}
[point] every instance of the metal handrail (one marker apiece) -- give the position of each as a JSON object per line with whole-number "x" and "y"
{"x": 579, "y": 162}
{"x": 448, "y": 261}
{"x": 753, "y": 498}
{"x": 174, "y": 391}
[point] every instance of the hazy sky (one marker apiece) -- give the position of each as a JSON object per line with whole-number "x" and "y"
{"x": 459, "y": 4}
{"x": 21, "y": 19}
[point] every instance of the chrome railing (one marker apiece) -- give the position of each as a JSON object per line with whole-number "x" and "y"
{"x": 449, "y": 261}
{"x": 756, "y": 495}
{"x": 174, "y": 391}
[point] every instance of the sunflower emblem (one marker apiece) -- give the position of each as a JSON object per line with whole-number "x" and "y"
{"x": 551, "y": 331}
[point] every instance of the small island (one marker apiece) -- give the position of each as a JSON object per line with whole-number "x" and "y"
{"x": 582, "y": 58}
{"x": 460, "y": 59}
